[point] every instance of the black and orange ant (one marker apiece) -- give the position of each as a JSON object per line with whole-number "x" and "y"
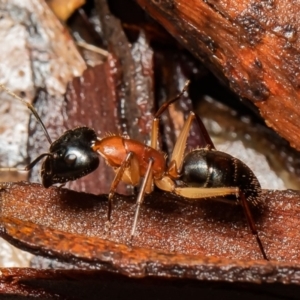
{"x": 202, "y": 173}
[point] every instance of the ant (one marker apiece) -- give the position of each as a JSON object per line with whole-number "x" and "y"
{"x": 202, "y": 173}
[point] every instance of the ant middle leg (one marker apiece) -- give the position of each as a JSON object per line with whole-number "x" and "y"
{"x": 141, "y": 196}
{"x": 155, "y": 122}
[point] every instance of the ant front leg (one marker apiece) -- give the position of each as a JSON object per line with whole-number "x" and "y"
{"x": 128, "y": 172}
{"x": 179, "y": 149}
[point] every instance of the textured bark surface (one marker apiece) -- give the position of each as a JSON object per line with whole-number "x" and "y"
{"x": 254, "y": 46}
{"x": 207, "y": 240}
{"x": 80, "y": 284}
{"x": 30, "y": 59}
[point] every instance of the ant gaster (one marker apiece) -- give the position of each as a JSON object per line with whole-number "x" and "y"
{"x": 202, "y": 173}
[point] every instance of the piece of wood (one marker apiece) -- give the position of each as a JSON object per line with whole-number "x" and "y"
{"x": 253, "y": 46}
{"x": 83, "y": 284}
{"x": 208, "y": 240}
{"x": 30, "y": 60}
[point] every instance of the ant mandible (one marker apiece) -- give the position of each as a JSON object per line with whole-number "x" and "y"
{"x": 203, "y": 173}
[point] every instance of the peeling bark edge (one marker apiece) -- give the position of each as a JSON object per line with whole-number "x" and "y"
{"x": 121, "y": 259}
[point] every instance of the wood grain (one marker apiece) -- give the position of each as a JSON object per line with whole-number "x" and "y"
{"x": 254, "y": 47}
{"x": 208, "y": 240}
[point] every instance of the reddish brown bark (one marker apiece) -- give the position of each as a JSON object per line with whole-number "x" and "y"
{"x": 254, "y": 46}
{"x": 206, "y": 240}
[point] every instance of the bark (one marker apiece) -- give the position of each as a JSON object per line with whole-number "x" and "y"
{"x": 253, "y": 47}
{"x": 206, "y": 240}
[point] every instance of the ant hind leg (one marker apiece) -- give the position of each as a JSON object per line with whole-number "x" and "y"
{"x": 251, "y": 223}
{"x": 207, "y": 142}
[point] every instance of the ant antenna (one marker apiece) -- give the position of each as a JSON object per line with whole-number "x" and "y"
{"x": 30, "y": 107}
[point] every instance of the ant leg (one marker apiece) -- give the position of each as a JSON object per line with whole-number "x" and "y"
{"x": 149, "y": 184}
{"x": 154, "y": 133}
{"x": 179, "y": 148}
{"x": 167, "y": 103}
{"x": 251, "y": 223}
{"x": 155, "y": 124}
{"x": 134, "y": 177}
{"x": 140, "y": 198}
{"x": 204, "y": 134}
{"x": 197, "y": 193}
{"x": 166, "y": 184}
{"x": 194, "y": 193}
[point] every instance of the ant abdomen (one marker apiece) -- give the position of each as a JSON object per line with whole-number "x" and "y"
{"x": 213, "y": 169}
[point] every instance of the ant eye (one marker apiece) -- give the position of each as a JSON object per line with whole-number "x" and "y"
{"x": 70, "y": 159}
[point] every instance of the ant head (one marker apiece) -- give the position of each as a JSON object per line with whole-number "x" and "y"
{"x": 70, "y": 157}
